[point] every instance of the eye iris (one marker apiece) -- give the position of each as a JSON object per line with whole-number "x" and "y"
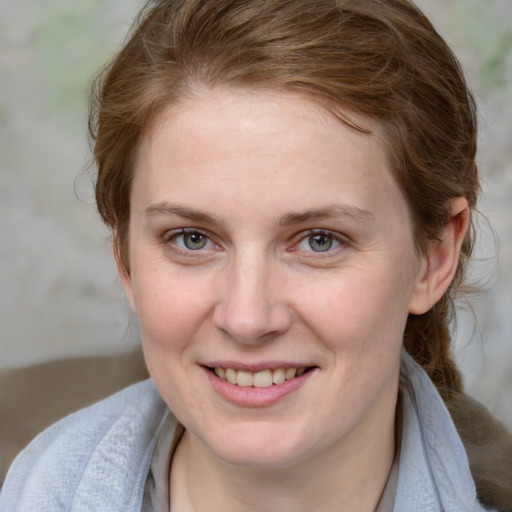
{"x": 320, "y": 242}
{"x": 194, "y": 241}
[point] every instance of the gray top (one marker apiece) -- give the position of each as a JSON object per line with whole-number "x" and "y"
{"x": 156, "y": 492}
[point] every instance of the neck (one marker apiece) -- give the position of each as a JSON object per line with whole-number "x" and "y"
{"x": 349, "y": 476}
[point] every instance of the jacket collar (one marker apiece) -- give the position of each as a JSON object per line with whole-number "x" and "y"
{"x": 434, "y": 473}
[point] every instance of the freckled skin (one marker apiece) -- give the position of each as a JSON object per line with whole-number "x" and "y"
{"x": 258, "y": 291}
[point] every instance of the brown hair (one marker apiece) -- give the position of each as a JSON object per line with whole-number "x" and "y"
{"x": 379, "y": 58}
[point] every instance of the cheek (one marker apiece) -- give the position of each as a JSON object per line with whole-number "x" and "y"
{"x": 170, "y": 306}
{"x": 362, "y": 312}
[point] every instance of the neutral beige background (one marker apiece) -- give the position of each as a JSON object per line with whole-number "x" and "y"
{"x": 59, "y": 295}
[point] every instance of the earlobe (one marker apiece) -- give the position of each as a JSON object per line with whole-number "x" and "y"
{"x": 124, "y": 273}
{"x": 439, "y": 265}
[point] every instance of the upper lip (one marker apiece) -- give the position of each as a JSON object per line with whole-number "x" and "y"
{"x": 256, "y": 367}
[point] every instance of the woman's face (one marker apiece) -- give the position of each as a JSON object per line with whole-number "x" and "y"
{"x": 266, "y": 237}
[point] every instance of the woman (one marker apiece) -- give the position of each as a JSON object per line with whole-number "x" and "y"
{"x": 290, "y": 186}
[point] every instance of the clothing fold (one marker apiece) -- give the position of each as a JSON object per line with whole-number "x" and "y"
{"x": 99, "y": 459}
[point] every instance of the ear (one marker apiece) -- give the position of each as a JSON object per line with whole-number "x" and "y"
{"x": 439, "y": 265}
{"x": 124, "y": 273}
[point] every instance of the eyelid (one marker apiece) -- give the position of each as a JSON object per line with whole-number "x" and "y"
{"x": 170, "y": 235}
{"x": 343, "y": 240}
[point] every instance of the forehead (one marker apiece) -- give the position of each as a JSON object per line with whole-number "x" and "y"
{"x": 263, "y": 148}
{"x": 258, "y": 113}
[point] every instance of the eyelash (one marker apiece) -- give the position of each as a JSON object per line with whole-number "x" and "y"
{"x": 170, "y": 237}
{"x": 339, "y": 241}
{"x": 336, "y": 238}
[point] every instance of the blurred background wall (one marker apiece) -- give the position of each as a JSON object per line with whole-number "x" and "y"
{"x": 59, "y": 294}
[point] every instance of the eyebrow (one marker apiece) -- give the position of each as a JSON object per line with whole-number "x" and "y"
{"x": 329, "y": 212}
{"x": 165, "y": 208}
{"x": 289, "y": 219}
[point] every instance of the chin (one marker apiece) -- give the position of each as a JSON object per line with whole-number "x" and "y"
{"x": 267, "y": 457}
{"x": 257, "y": 446}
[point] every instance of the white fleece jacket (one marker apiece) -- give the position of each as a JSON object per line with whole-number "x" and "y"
{"x": 98, "y": 459}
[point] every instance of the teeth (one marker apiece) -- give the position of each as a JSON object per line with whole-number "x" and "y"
{"x": 263, "y": 379}
{"x": 278, "y": 376}
{"x": 290, "y": 373}
{"x": 221, "y": 373}
{"x": 231, "y": 375}
{"x": 244, "y": 379}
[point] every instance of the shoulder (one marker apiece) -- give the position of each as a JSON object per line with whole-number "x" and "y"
{"x": 446, "y": 454}
{"x": 488, "y": 445}
{"x": 91, "y": 458}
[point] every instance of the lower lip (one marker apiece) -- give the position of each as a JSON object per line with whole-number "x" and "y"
{"x": 256, "y": 397}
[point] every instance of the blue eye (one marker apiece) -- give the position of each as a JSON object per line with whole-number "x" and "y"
{"x": 191, "y": 241}
{"x": 318, "y": 242}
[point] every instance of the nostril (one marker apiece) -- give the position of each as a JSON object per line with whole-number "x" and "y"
{"x": 248, "y": 313}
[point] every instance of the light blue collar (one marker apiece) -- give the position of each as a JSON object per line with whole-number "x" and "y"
{"x": 434, "y": 473}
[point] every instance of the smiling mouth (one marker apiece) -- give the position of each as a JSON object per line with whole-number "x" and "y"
{"x": 261, "y": 379}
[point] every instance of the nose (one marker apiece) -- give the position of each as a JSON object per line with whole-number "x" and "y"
{"x": 251, "y": 308}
